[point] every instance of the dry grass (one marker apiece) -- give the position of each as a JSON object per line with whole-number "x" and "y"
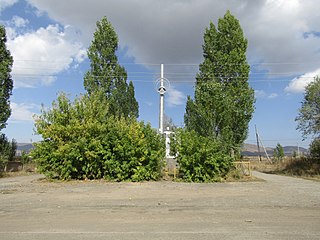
{"x": 235, "y": 175}
{"x": 299, "y": 167}
{"x": 28, "y": 169}
{"x": 238, "y": 175}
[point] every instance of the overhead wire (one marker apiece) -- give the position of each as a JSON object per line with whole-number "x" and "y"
{"x": 154, "y": 76}
{"x": 180, "y": 77}
{"x": 176, "y": 64}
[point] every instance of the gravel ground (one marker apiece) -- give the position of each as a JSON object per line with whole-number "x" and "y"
{"x": 277, "y": 208}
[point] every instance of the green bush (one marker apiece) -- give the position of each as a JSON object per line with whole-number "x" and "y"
{"x": 278, "y": 153}
{"x": 25, "y": 158}
{"x": 201, "y": 159}
{"x": 7, "y": 150}
{"x": 82, "y": 141}
{"x": 315, "y": 148}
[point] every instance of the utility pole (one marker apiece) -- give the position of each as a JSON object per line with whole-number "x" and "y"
{"x": 161, "y": 91}
{"x": 257, "y": 136}
{"x": 259, "y": 141}
{"x": 265, "y": 151}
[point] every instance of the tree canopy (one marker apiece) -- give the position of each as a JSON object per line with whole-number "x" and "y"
{"x": 223, "y": 101}
{"x": 107, "y": 75}
{"x": 6, "y": 83}
{"x": 97, "y": 135}
{"x": 309, "y": 116}
{"x": 216, "y": 120}
{"x": 278, "y": 153}
{"x": 7, "y": 150}
{"x": 82, "y": 141}
{"x": 309, "y": 113}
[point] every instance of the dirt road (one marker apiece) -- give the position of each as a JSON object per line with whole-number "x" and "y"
{"x": 277, "y": 208}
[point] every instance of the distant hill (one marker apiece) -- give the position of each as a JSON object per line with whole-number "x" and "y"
{"x": 288, "y": 150}
{"x": 23, "y": 147}
{"x": 247, "y": 150}
{"x": 252, "y": 150}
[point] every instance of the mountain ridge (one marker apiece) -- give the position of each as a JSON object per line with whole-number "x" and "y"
{"x": 252, "y": 150}
{"x": 247, "y": 149}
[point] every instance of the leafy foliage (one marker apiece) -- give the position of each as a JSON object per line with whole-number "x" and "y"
{"x": 201, "y": 159}
{"x": 107, "y": 75}
{"x": 6, "y": 83}
{"x": 309, "y": 116}
{"x": 7, "y": 150}
{"x": 278, "y": 153}
{"x": 224, "y": 102}
{"x": 25, "y": 158}
{"x": 309, "y": 113}
{"x": 97, "y": 135}
{"x": 82, "y": 141}
{"x": 315, "y": 148}
{"x": 217, "y": 118}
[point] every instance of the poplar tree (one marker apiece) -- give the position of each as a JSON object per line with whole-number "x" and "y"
{"x": 6, "y": 83}
{"x": 278, "y": 152}
{"x": 107, "y": 75}
{"x": 309, "y": 113}
{"x": 309, "y": 116}
{"x": 223, "y": 101}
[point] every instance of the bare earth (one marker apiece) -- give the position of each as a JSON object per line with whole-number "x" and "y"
{"x": 277, "y": 208}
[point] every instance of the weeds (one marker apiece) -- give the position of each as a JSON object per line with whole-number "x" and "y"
{"x": 301, "y": 167}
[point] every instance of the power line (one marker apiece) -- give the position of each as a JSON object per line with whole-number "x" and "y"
{"x": 169, "y": 73}
{"x": 130, "y": 75}
{"x": 176, "y": 64}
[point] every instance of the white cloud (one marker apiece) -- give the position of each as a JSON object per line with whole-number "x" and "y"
{"x": 174, "y": 97}
{"x": 171, "y": 31}
{"x": 22, "y": 112}
{"x": 298, "y": 84}
{"x": 19, "y": 21}
{"x": 149, "y": 104}
{"x": 6, "y": 3}
{"x": 276, "y": 37}
{"x": 11, "y": 33}
{"x": 273, "y": 95}
{"x": 40, "y": 55}
{"x": 259, "y": 94}
{"x": 263, "y": 94}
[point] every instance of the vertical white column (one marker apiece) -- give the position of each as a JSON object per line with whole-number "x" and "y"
{"x": 161, "y": 91}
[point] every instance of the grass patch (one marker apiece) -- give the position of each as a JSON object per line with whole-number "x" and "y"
{"x": 299, "y": 167}
{"x": 237, "y": 175}
{"x": 234, "y": 175}
{"x": 28, "y": 169}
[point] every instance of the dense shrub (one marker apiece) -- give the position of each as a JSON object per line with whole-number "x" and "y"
{"x": 201, "y": 159}
{"x": 315, "y": 148}
{"x": 7, "y": 150}
{"x": 82, "y": 141}
{"x": 278, "y": 153}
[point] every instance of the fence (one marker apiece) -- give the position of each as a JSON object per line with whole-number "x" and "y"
{"x": 244, "y": 167}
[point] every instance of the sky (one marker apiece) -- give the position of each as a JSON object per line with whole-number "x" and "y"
{"x": 48, "y": 40}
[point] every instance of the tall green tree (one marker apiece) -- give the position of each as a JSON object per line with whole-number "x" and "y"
{"x": 7, "y": 150}
{"x": 107, "y": 75}
{"x": 309, "y": 116}
{"x": 309, "y": 113}
{"x": 223, "y": 102}
{"x": 278, "y": 152}
{"x": 315, "y": 148}
{"x": 6, "y": 83}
